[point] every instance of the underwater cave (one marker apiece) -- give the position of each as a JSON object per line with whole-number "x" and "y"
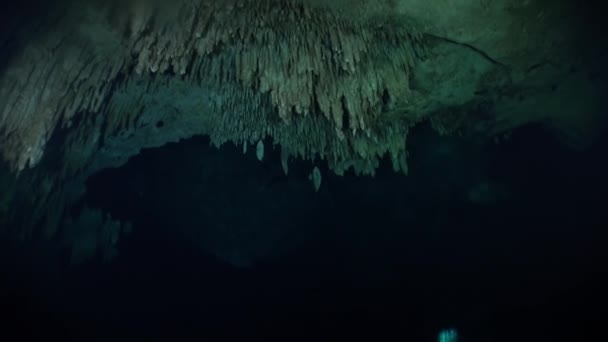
{"x": 386, "y": 170}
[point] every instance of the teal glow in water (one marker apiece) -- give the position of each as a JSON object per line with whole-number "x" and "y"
{"x": 448, "y": 335}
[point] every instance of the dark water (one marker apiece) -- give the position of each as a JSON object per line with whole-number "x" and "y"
{"x": 518, "y": 258}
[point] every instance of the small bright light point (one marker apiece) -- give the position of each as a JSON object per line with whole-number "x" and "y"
{"x": 448, "y": 335}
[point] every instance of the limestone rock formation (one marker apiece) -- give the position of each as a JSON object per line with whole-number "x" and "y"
{"x": 86, "y": 85}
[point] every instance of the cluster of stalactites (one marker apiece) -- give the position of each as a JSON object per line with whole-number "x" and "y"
{"x": 307, "y": 59}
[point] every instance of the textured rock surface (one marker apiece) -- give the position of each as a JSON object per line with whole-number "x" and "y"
{"x": 86, "y": 85}
{"x": 300, "y": 58}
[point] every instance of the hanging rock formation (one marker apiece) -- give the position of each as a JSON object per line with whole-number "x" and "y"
{"x": 322, "y": 83}
{"x": 303, "y": 66}
{"x": 86, "y": 85}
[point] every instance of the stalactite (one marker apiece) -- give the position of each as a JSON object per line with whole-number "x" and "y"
{"x": 309, "y": 61}
{"x": 284, "y": 57}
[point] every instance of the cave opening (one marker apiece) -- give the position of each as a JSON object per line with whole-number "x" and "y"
{"x": 494, "y": 238}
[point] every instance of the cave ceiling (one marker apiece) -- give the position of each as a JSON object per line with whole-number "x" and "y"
{"x": 88, "y": 84}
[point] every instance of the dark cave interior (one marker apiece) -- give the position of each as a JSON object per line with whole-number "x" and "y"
{"x": 400, "y": 255}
